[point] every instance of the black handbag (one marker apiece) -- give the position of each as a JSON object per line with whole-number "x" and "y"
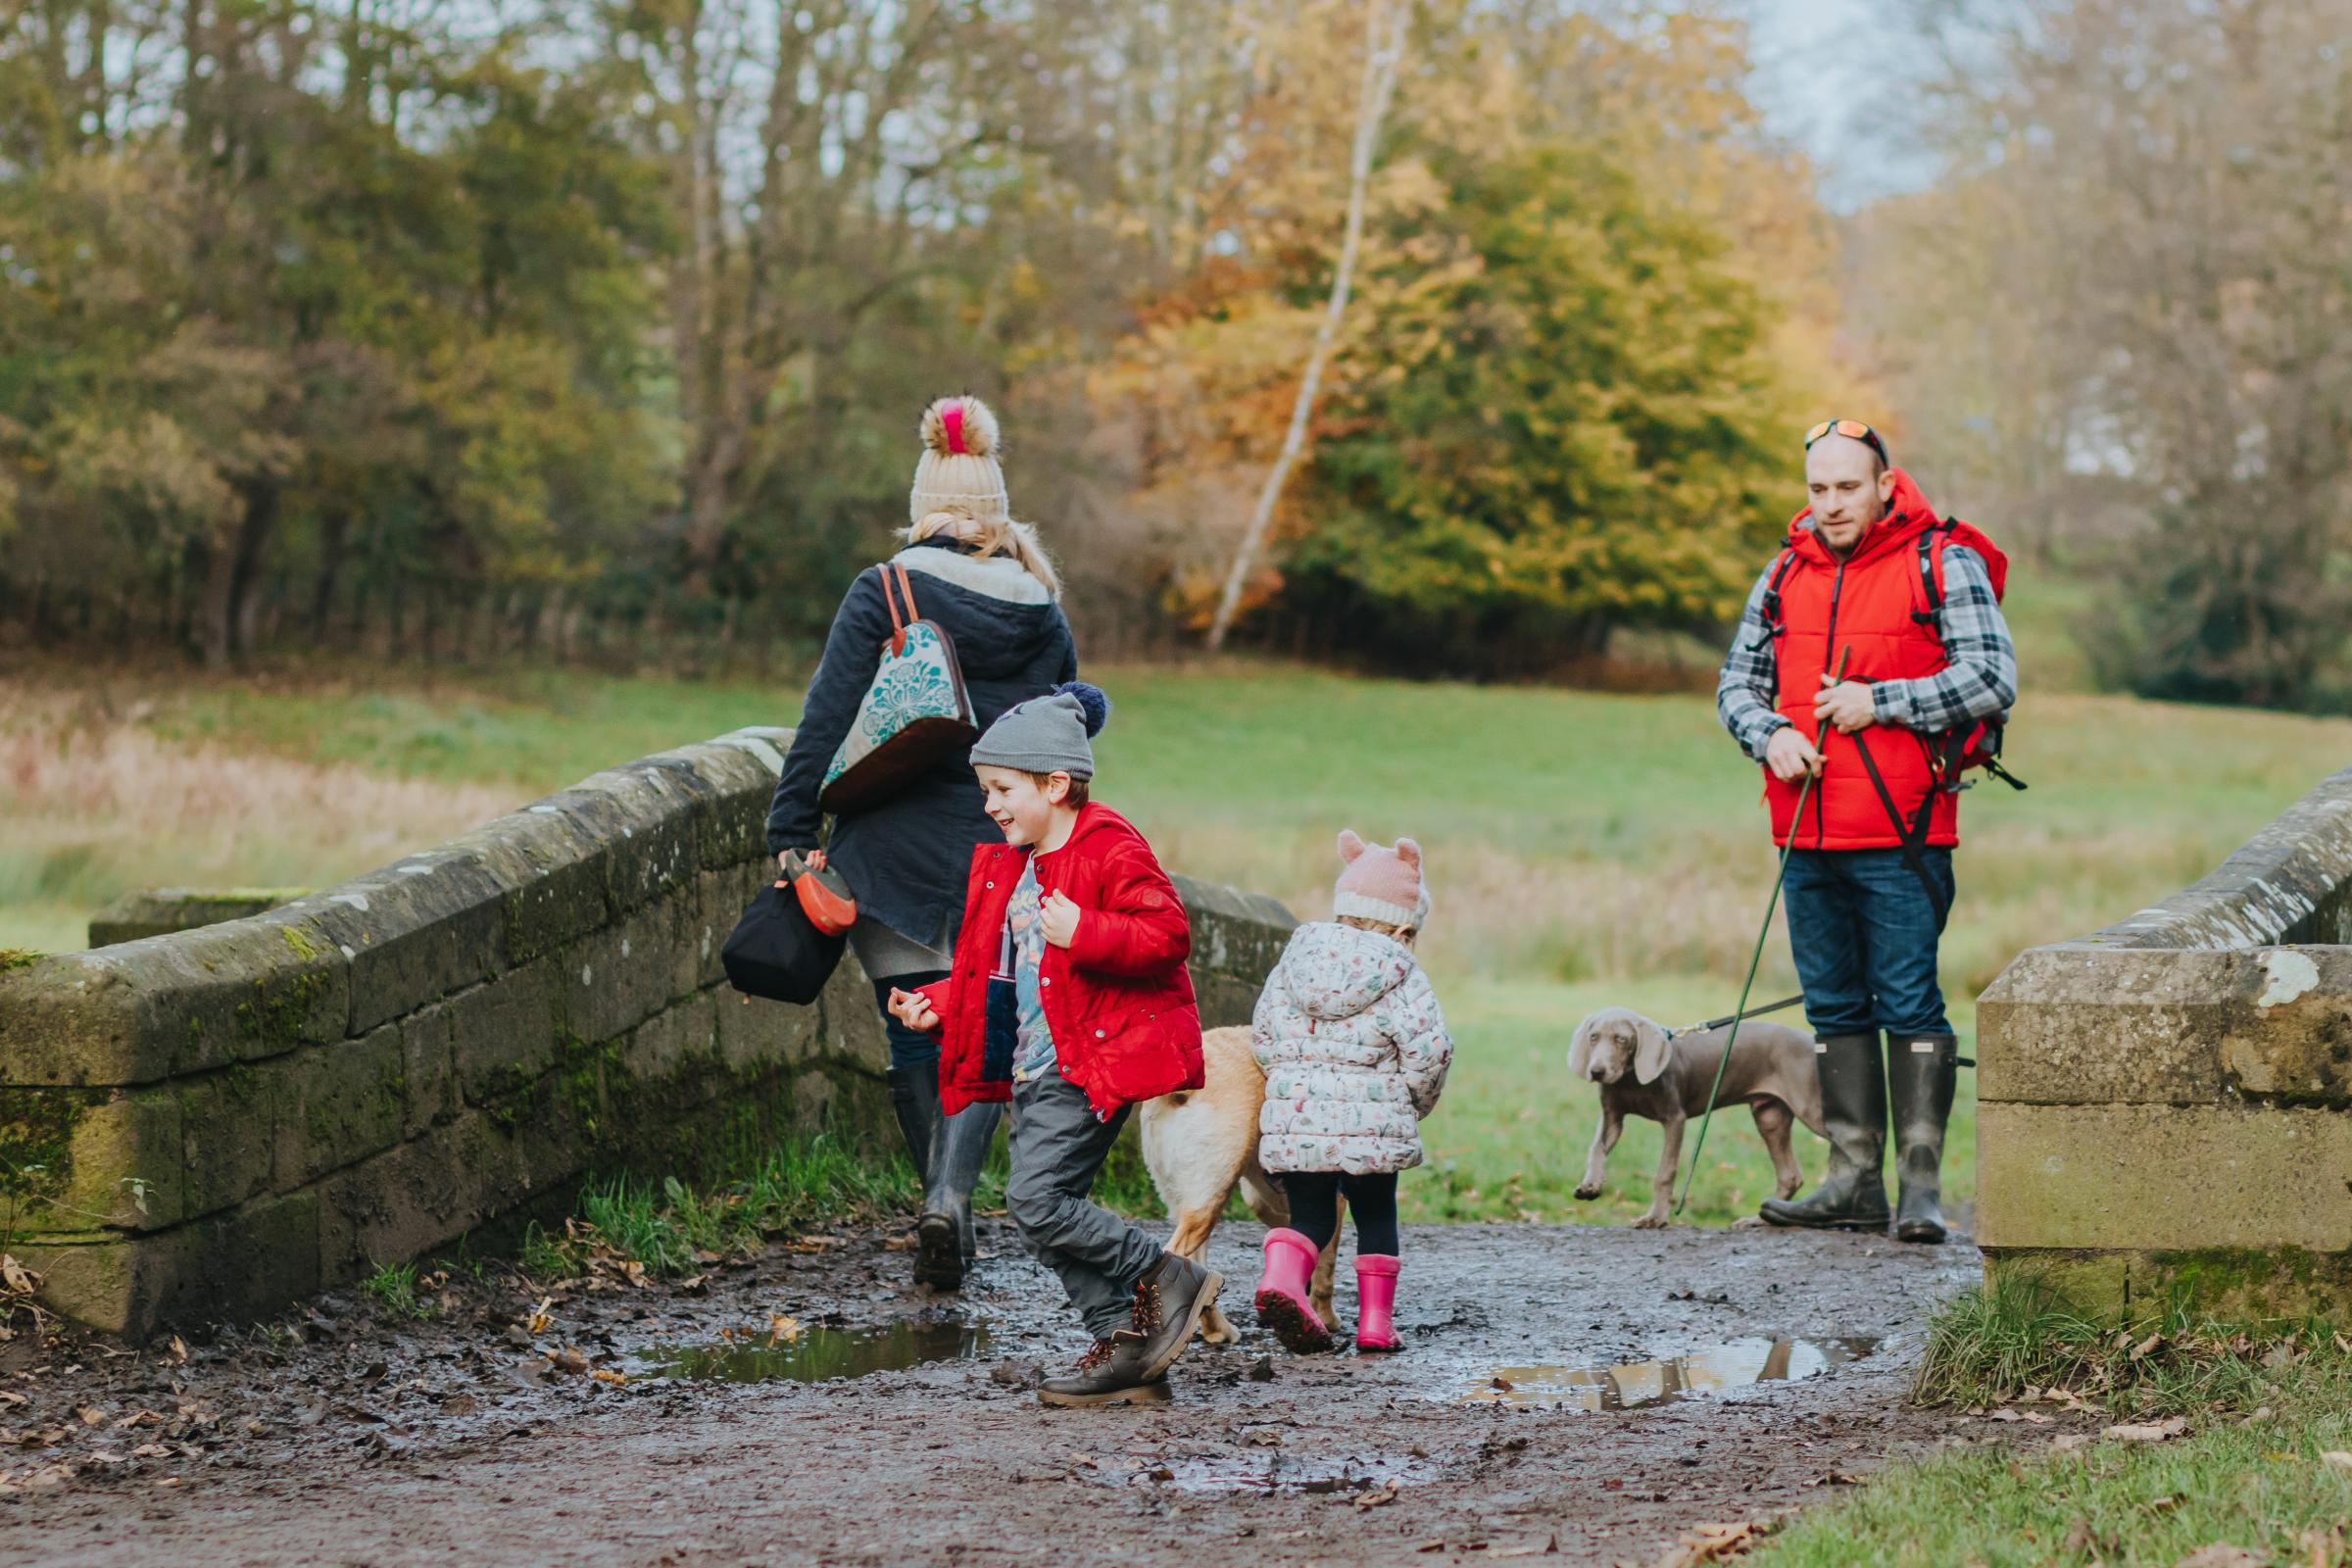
{"x": 778, "y": 952}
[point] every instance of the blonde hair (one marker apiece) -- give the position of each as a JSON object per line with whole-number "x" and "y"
{"x": 995, "y": 536}
{"x": 1394, "y": 933}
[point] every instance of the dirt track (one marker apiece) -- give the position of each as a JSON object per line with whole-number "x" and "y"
{"x": 457, "y": 1440}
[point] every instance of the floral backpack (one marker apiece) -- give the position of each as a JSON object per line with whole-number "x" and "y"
{"x": 916, "y": 712}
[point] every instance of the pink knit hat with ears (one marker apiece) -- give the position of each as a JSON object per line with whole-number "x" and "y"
{"x": 1379, "y": 884}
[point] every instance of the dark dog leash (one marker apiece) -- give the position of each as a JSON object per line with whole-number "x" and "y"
{"x": 1755, "y": 957}
{"x": 1782, "y": 1005}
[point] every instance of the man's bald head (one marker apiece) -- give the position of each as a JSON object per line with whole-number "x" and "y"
{"x": 1850, "y": 486}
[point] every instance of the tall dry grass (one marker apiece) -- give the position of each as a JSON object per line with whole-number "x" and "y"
{"x": 95, "y": 805}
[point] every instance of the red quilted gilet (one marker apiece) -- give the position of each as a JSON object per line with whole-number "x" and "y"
{"x": 1863, "y": 606}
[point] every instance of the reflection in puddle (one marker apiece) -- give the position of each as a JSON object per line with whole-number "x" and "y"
{"x": 1267, "y": 1472}
{"x": 819, "y": 1353}
{"x": 1639, "y": 1384}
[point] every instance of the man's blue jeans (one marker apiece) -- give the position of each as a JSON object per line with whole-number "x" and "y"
{"x": 1863, "y": 935}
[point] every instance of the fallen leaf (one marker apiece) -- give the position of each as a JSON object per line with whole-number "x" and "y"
{"x": 179, "y": 1351}
{"x": 92, "y": 1416}
{"x": 781, "y": 1327}
{"x": 1373, "y": 1499}
{"x": 2146, "y": 1346}
{"x": 604, "y": 1374}
{"x": 151, "y": 1451}
{"x": 2146, "y": 1430}
{"x": 567, "y": 1361}
{"x": 138, "y": 1418}
{"x": 2220, "y": 1555}
{"x": 540, "y": 1316}
{"x": 1709, "y": 1543}
{"x": 16, "y": 1277}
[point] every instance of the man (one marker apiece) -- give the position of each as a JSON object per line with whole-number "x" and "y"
{"x": 1844, "y": 637}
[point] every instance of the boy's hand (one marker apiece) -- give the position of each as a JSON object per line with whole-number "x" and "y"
{"x": 913, "y": 1011}
{"x": 1059, "y": 917}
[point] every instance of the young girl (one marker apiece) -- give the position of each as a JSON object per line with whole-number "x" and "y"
{"x": 1355, "y": 1052}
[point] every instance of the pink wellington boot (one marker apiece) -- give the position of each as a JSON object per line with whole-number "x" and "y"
{"x": 1376, "y": 1304}
{"x": 1282, "y": 1301}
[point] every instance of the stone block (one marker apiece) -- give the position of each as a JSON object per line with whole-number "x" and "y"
{"x": 428, "y": 1070}
{"x": 1225, "y": 1000}
{"x": 337, "y": 1104}
{"x": 160, "y": 912}
{"x": 229, "y": 1134}
{"x": 2283, "y": 885}
{"x": 1234, "y": 932}
{"x": 733, "y": 830}
{"x": 2234, "y": 1284}
{"x": 720, "y": 897}
{"x": 756, "y": 1034}
{"x": 645, "y": 816}
{"x": 2070, "y": 1025}
{"x": 504, "y": 1034}
{"x": 166, "y": 1006}
{"x": 2163, "y": 1178}
{"x": 659, "y": 1048}
{"x": 2074, "y": 1026}
{"x": 616, "y": 979}
{"x": 245, "y": 1263}
{"x": 89, "y": 1159}
{"x": 423, "y": 927}
{"x": 388, "y": 1208}
{"x": 562, "y": 898}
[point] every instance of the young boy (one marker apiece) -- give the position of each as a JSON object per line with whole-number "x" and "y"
{"x": 1069, "y": 996}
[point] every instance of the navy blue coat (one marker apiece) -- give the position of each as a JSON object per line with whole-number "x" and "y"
{"x": 906, "y": 858}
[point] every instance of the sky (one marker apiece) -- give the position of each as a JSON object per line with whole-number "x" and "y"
{"x": 1816, "y": 65}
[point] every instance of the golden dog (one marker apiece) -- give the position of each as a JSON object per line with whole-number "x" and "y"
{"x": 1200, "y": 1144}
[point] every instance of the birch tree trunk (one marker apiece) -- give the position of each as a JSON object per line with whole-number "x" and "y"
{"x": 1382, "y": 59}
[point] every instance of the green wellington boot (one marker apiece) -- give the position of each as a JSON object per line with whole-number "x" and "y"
{"x": 1852, "y": 1196}
{"x": 1922, "y": 1071}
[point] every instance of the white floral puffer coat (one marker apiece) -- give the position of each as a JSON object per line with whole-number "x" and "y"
{"x": 1355, "y": 1052}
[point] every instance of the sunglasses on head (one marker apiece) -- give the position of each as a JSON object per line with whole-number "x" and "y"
{"x": 1853, "y": 431}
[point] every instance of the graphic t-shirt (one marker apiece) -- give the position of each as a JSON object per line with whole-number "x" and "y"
{"x": 1025, "y": 938}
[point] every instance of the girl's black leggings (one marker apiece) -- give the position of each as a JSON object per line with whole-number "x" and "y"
{"x": 1315, "y": 1194}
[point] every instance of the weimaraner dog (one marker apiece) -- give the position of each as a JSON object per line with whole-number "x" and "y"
{"x": 1644, "y": 1071}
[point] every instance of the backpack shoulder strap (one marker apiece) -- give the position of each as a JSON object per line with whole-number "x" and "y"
{"x": 1781, "y": 567}
{"x": 1931, "y": 541}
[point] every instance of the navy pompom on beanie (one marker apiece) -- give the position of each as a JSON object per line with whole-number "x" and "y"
{"x": 1048, "y": 734}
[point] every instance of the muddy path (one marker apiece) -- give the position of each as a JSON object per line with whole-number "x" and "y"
{"x": 345, "y": 1435}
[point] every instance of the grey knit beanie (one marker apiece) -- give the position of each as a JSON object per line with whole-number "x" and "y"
{"x": 1046, "y": 734}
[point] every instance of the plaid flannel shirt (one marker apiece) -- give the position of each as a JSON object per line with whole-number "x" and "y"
{"x": 1979, "y": 682}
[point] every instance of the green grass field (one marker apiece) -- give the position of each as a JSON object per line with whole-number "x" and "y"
{"x": 1584, "y": 849}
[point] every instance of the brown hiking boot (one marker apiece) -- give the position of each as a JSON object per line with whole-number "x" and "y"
{"x": 1168, "y": 1303}
{"x": 1110, "y": 1372}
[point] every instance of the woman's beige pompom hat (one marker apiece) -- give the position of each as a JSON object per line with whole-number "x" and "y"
{"x": 958, "y": 469}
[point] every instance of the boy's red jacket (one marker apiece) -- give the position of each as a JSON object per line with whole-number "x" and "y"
{"x": 1118, "y": 997}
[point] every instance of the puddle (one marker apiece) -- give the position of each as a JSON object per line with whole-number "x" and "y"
{"x": 1638, "y": 1385}
{"x": 819, "y": 1353}
{"x": 1268, "y": 1472}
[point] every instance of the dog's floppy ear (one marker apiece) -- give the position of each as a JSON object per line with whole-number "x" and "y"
{"x": 1352, "y": 845}
{"x": 1651, "y": 1051}
{"x": 1580, "y": 1048}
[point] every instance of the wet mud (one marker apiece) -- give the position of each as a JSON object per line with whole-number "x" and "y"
{"x": 1584, "y": 1392}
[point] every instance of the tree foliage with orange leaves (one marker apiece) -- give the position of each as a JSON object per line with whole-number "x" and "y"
{"x": 1700, "y": 232}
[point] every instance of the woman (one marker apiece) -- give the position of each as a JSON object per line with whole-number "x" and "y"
{"x": 985, "y": 580}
